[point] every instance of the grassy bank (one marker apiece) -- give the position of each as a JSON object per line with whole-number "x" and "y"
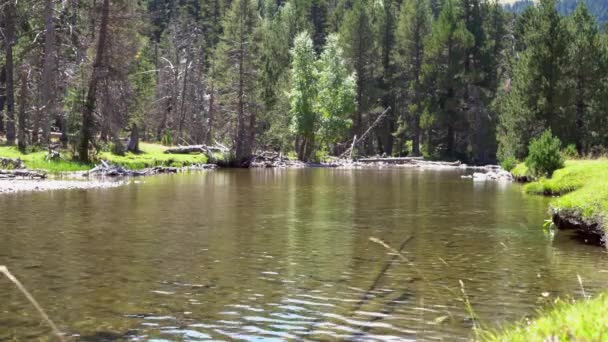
{"x": 151, "y": 155}
{"x": 582, "y": 186}
{"x": 581, "y": 321}
{"x": 583, "y": 195}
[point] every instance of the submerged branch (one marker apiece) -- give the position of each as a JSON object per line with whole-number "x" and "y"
{"x": 29, "y": 297}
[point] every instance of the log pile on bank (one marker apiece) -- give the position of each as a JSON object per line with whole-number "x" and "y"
{"x": 105, "y": 169}
{"x": 198, "y": 149}
{"x": 15, "y": 169}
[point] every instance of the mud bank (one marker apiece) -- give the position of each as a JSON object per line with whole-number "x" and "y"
{"x": 591, "y": 231}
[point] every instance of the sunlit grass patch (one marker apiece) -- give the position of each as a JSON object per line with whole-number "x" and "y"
{"x": 151, "y": 155}
{"x": 520, "y": 171}
{"x": 582, "y": 321}
{"x": 36, "y": 160}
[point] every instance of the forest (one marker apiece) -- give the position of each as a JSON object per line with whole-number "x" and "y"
{"x": 444, "y": 79}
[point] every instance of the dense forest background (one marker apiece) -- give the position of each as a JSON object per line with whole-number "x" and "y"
{"x": 455, "y": 79}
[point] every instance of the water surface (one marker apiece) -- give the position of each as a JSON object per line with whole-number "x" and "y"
{"x": 285, "y": 255}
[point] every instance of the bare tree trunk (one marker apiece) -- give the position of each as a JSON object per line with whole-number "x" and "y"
{"x": 133, "y": 145}
{"x": 9, "y": 33}
{"x": 240, "y": 130}
{"x": 48, "y": 86}
{"x": 2, "y": 96}
{"x": 23, "y": 108}
{"x": 182, "y": 114}
{"x": 86, "y": 133}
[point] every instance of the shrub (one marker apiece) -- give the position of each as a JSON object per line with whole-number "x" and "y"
{"x": 544, "y": 155}
{"x": 570, "y": 152}
{"x": 117, "y": 148}
{"x": 508, "y": 163}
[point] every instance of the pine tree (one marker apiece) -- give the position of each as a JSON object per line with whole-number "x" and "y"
{"x": 538, "y": 95}
{"x": 357, "y": 37}
{"x": 413, "y": 29}
{"x": 445, "y": 73}
{"x": 236, "y": 70}
{"x": 586, "y": 69}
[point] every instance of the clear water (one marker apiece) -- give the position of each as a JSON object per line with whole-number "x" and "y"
{"x": 285, "y": 255}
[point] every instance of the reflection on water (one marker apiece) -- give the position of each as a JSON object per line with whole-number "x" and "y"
{"x": 284, "y": 254}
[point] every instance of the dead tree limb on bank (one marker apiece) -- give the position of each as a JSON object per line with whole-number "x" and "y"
{"x": 356, "y": 141}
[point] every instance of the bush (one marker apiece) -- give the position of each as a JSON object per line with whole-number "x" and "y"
{"x": 117, "y": 148}
{"x": 544, "y": 156}
{"x": 508, "y": 163}
{"x": 570, "y": 152}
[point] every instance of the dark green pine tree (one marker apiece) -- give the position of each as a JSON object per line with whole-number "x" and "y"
{"x": 538, "y": 95}
{"x": 357, "y": 37}
{"x": 413, "y": 29}
{"x": 236, "y": 73}
{"x": 445, "y": 74}
{"x": 587, "y": 69}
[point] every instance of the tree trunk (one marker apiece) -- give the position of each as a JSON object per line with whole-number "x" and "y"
{"x": 9, "y": 33}
{"x": 86, "y": 133}
{"x": 133, "y": 145}
{"x": 2, "y": 96}
{"x": 47, "y": 93}
{"x": 241, "y": 153}
{"x": 416, "y": 135}
{"x": 23, "y": 108}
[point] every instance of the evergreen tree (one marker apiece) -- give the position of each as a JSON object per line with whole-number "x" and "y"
{"x": 413, "y": 29}
{"x": 236, "y": 72}
{"x": 445, "y": 74}
{"x": 539, "y": 95}
{"x": 357, "y": 38}
{"x": 587, "y": 66}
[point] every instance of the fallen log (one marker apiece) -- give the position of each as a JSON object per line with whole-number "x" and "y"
{"x": 22, "y": 173}
{"x": 203, "y": 149}
{"x": 9, "y": 163}
{"x": 187, "y": 149}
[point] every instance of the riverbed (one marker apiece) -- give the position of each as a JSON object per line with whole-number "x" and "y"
{"x": 286, "y": 254}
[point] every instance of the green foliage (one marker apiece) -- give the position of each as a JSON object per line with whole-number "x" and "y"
{"x": 570, "y": 152}
{"x": 303, "y": 93}
{"x": 117, "y": 148}
{"x": 167, "y": 139}
{"x": 509, "y": 163}
{"x": 584, "y": 320}
{"x": 544, "y": 155}
{"x": 336, "y": 92}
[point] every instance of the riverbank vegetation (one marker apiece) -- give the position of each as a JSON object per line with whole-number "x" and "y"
{"x": 150, "y": 155}
{"x": 582, "y": 188}
{"x": 584, "y": 320}
{"x": 449, "y": 79}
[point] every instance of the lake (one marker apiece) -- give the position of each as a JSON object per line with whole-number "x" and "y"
{"x": 262, "y": 255}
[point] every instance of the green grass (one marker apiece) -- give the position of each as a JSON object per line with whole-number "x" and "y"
{"x": 151, "y": 155}
{"x": 582, "y": 185}
{"x": 581, "y": 321}
{"x": 36, "y": 160}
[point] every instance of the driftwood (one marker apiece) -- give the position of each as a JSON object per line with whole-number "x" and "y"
{"x": 8, "y": 163}
{"x": 204, "y": 149}
{"x": 22, "y": 173}
{"x": 105, "y": 169}
{"x": 414, "y": 161}
{"x": 356, "y": 141}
